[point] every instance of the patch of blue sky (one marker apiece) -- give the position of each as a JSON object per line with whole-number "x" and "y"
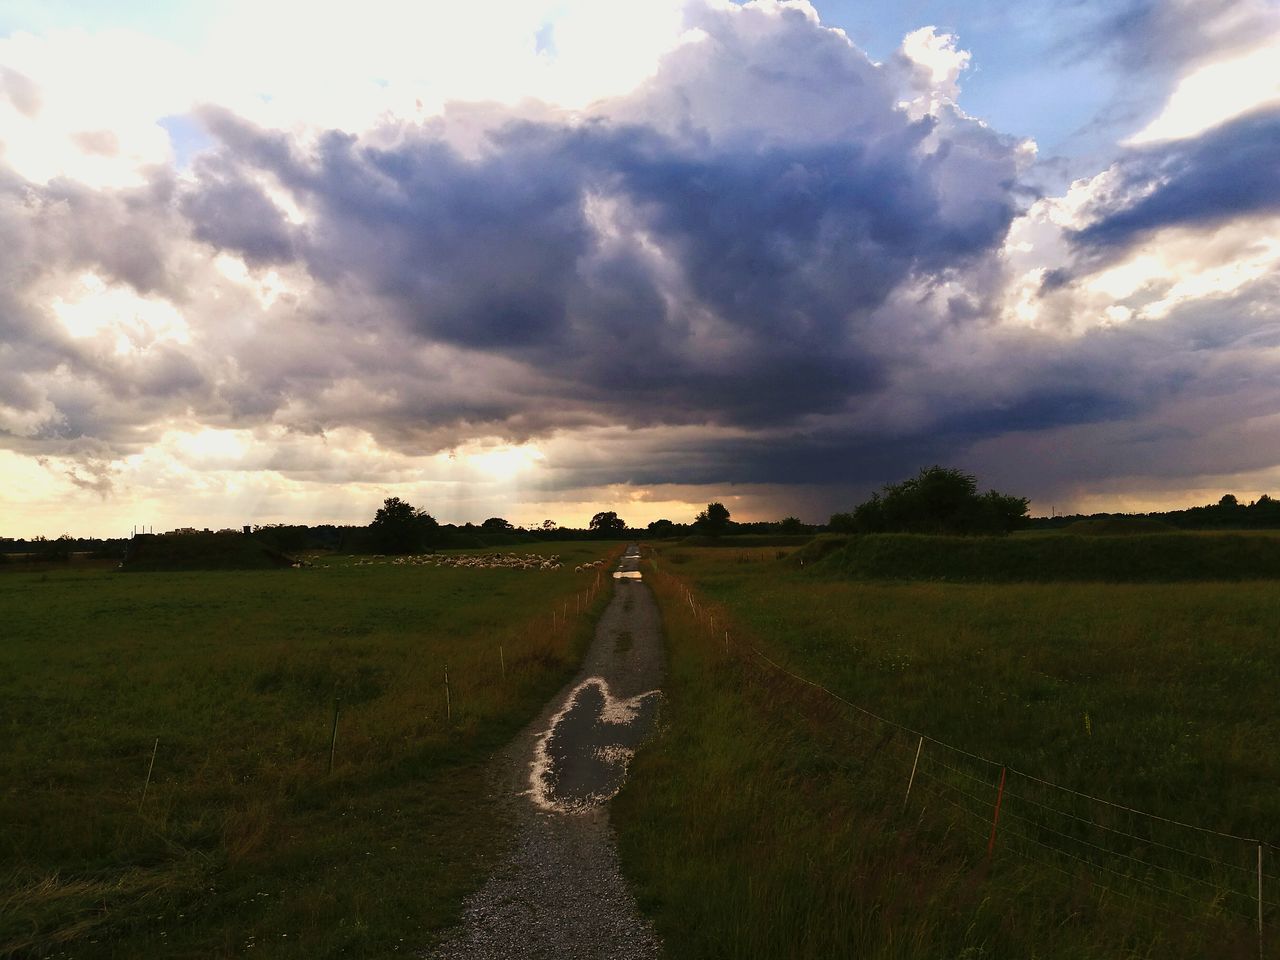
{"x": 544, "y": 40}
{"x": 187, "y": 136}
{"x": 181, "y": 23}
{"x": 1027, "y": 75}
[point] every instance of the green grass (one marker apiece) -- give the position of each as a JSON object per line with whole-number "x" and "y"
{"x": 748, "y": 541}
{"x": 245, "y": 840}
{"x": 1050, "y": 557}
{"x": 769, "y": 820}
{"x": 1117, "y": 526}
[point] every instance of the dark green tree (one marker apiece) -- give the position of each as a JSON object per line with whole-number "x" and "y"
{"x": 842, "y": 523}
{"x": 496, "y": 523}
{"x": 791, "y": 525}
{"x": 714, "y": 520}
{"x": 936, "y": 500}
{"x": 607, "y": 522}
{"x": 399, "y": 527}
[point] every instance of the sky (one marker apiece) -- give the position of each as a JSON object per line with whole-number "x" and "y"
{"x": 275, "y": 262}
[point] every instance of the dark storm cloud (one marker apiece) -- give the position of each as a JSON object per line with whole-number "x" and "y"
{"x": 1148, "y": 398}
{"x": 1208, "y": 411}
{"x": 1040, "y": 409}
{"x": 1231, "y": 171}
{"x": 232, "y": 213}
{"x": 540, "y": 250}
{"x": 814, "y": 234}
{"x": 705, "y": 250}
{"x": 814, "y": 458}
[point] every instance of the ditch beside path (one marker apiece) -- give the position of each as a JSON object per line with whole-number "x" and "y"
{"x": 559, "y": 892}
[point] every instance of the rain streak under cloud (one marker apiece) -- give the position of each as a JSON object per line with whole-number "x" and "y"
{"x": 537, "y": 263}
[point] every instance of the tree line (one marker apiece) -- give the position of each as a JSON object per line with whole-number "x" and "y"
{"x": 1229, "y": 513}
{"x": 938, "y": 500}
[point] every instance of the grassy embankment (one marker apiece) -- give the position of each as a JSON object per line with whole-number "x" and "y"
{"x": 769, "y": 820}
{"x": 1054, "y": 557}
{"x": 245, "y": 840}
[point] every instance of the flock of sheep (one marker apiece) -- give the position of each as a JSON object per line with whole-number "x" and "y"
{"x": 492, "y": 561}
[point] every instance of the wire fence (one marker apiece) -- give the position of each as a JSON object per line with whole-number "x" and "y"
{"x": 1159, "y": 865}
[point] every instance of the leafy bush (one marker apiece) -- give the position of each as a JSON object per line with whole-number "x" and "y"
{"x": 938, "y": 500}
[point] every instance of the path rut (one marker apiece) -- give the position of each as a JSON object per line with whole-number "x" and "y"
{"x": 559, "y": 892}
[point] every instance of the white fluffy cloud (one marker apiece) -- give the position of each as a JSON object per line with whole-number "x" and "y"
{"x": 1217, "y": 92}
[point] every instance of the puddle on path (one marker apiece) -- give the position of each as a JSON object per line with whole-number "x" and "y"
{"x": 581, "y": 760}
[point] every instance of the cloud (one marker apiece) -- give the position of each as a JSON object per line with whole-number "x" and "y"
{"x": 1229, "y": 172}
{"x": 772, "y": 263}
{"x": 936, "y": 63}
{"x": 1217, "y": 92}
{"x": 675, "y": 256}
{"x": 231, "y": 212}
{"x": 1159, "y": 69}
{"x": 21, "y": 91}
{"x": 1171, "y": 35}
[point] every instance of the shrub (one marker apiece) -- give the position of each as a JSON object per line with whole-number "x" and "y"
{"x": 938, "y": 500}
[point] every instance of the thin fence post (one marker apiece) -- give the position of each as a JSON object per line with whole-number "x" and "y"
{"x": 912, "y": 779}
{"x": 502, "y": 661}
{"x": 156, "y": 746}
{"x": 726, "y": 641}
{"x": 333, "y": 738}
{"x": 995, "y": 818}
{"x": 448, "y": 697}
{"x": 1259, "y": 901}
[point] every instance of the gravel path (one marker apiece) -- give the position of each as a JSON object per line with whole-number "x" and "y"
{"x": 559, "y": 893}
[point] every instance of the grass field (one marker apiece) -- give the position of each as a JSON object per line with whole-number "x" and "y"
{"x": 770, "y": 820}
{"x": 245, "y": 840}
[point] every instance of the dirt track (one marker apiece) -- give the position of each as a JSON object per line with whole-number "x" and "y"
{"x": 559, "y": 892}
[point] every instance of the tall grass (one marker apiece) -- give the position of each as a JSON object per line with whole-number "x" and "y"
{"x": 245, "y": 840}
{"x": 769, "y": 820}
